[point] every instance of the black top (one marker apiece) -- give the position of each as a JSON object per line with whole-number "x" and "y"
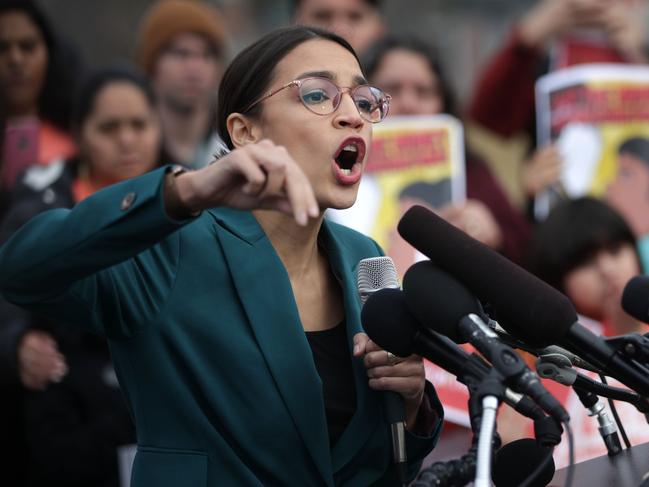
{"x": 334, "y": 365}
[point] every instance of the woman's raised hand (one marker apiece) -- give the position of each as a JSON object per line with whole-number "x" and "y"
{"x": 256, "y": 176}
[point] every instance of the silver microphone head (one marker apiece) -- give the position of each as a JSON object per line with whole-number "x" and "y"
{"x": 376, "y": 273}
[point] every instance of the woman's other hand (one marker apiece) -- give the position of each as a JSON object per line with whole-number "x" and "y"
{"x": 257, "y": 176}
{"x": 387, "y": 372}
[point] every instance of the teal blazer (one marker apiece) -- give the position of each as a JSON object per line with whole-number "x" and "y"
{"x": 206, "y": 339}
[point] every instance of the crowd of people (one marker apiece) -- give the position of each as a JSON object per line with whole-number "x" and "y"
{"x": 168, "y": 268}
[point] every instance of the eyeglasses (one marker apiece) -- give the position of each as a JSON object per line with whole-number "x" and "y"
{"x": 322, "y": 97}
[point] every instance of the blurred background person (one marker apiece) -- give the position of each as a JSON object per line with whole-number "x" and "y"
{"x": 503, "y": 101}
{"x": 117, "y": 131}
{"x": 586, "y": 250}
{"x": 182, "y": 47}
{"x": 37, "y": 77}
{"x": 409, "y": 70}
{"x": 628, "y": 193}
{"x": 74, "y": 414}
{"x": 37, "y": 74}
{"x": 359, "y": 22}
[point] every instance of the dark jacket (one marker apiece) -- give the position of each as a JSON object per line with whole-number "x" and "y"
{"x": 71, "y": 429}
{"x": 206, "y": 339}
{"x": 39, "y": 189}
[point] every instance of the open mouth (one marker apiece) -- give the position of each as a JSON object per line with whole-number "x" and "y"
{"x": 348, "y": 160}
{"x": 347, "y": 157}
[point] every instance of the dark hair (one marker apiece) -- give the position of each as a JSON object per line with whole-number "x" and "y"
{"x": 63, "y": 65}
{"x": 250, "y": 73}
{"x": 295, "y": 4}
{"x": 572, "y": 233}
{"x": 637, "y": 147}
{"x": 99, "y": 79}
{"x": 435, "y": 194}
{"x": 373, "y": 58}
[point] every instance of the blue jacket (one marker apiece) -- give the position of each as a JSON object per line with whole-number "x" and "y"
{"x": 206, "y": 339}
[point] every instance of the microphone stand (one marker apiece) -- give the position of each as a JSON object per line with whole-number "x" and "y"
{"x": 490, "y": 393}
{"x": 460, "y": 472}
{"x": 473, "y": 373}
{"x": 558, "y": 368}
{"x": 548, "y": 368}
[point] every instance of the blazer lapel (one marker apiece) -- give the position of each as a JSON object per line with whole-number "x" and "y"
{"x": 266, "y": 295}
{"x": 367, "y": 413}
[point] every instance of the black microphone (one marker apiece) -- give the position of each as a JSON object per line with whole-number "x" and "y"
{"x": 372, "y": 275}
{"x": 443, "y": 303}
{"x": 551, "y": 350}
{"x": 389, "y": 323}
{"x": 635, "y": 298}
{"x": 523, "y": 460}
{"x": 529, "y": 308}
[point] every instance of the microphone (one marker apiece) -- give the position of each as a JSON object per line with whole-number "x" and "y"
{"x": 523, "y": 460}
{"x": 635, "y": 298}
{"x": 374, "y": 274}
{"x": 552, "y": 350}
{"x": 529, "y": 308}
{"x": 437, "y": 298}
{"x": 389, "y": 323}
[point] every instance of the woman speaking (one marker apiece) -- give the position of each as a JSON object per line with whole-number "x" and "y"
{"x": 229, "y": 302}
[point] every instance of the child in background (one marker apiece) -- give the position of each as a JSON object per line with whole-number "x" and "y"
{"x": 586, "y": 250}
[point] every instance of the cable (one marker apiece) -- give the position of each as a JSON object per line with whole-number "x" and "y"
{"x": 571, "y": 455}
{"x": 639, "y": 402}
{"x": 616, "y": 417}
{"x": 449, "y": 473}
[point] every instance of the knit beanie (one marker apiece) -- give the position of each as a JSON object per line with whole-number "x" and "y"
{"x": 169, "y": 18}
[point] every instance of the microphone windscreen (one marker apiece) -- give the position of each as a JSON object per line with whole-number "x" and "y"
{"x": 375, "y": 273}
{"x": 515, "y": 462}
{"x": 388, "y": 323}
{"x": 526, "y": 307}
{"x": 635, "y": 298}
{"x": 437, "y": 299}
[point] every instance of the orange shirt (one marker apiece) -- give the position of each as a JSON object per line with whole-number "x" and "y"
{"x": 53, "y": 143}
{"x": 82, "y": 188}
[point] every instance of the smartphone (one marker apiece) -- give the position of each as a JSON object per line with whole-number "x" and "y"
{"x": 20, "y": 149}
